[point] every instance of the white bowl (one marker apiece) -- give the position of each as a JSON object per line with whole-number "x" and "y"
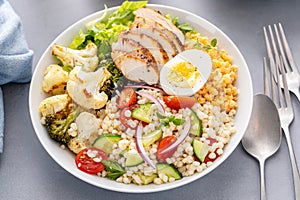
{"x": 66, "y": 159}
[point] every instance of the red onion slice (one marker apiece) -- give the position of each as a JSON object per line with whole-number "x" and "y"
{"x": 152, "y": 98}
{"x": 185, "y": 132}
{"x": 139, "y": 145}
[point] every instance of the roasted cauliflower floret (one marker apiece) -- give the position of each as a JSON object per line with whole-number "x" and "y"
{"x": 87, "y": 126}
{"x": 55, "y": 80}
{"x": 54, "y": 104}
{"x": 84, "y": 87}
{"x": 87, "y": 58}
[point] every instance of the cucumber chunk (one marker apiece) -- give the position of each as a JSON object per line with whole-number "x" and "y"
{"x": 143, "y": 112}
{"x": 200, "y": 149}
{"x": 105, "y": 142}
{"x": 168, "y": 170}
{"x": 196, "y": 124}
{"x": 151, "y": 137}
{"x": 146, "y": 179}
{"x": 133, "y": 159}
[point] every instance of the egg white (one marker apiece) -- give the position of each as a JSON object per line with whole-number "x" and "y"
{"x": 200, "y": 59}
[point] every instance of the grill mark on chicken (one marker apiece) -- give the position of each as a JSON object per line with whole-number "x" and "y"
{"x": 168, "y": 33}
{"x": 155, "y": 48}
{"x": 134, "y": 61}
{"x": 157, "y": 34}
{"x": 137, "y": 67}
{"x": 128, "y": 46}
{"x": 161, "y": 19}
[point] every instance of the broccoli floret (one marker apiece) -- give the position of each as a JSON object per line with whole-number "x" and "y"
{"x": 57, "y": 126}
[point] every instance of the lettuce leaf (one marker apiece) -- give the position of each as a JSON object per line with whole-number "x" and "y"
{"x": 107, "y": 28}
{"x": 132, "y": 5}
{"x": 185, "y": 27}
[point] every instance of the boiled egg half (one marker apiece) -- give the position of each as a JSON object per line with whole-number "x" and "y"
{"x": 186, "y": 73}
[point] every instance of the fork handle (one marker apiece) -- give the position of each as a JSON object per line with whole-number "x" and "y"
{"x": 296, "y": 177}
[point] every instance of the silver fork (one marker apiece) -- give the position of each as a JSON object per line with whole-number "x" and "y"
{"x": 292, "y": 72}
{"x": 285, "y": 110}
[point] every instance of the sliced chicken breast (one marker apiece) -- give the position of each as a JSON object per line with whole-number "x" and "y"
{"x": 134, "y": 61}
{"x": 125, "y": 45}
{"x": 172, "y": 36}
{"x": 150, "y": 42}
{"x": 159, "y": 54}
{"x": 161, "y": 19}
{"x": 136, "y": 67}
{"x": 128, "y": 46}
{"x": 166, "y": 43}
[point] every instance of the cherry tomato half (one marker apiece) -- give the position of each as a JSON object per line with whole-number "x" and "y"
{"x": 211, "y": 140}
{"x": 125, "y": 120}
{"x": 163, "y": 144}
{"x": 177, "y": 102}
{"x": 208, "y": 159}
{"x": 89, "y": 160}
{"x": 127, "y": 98}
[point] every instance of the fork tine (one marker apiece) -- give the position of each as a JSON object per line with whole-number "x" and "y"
{"x": 269, "y": 50}
{"x": 287, "y": 49}
{"x": 279, "y": 68}
{"x": 288, "y": 70}
{"x": 266, "y": 82}
{"x": 275, "y": 50}
{"x": 285, "y": 87}
{"x": 268, "y": 46}
{"x": 271, "y": 93}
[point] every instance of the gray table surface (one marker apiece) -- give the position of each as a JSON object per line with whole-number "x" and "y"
{"x": 28, "y": 172}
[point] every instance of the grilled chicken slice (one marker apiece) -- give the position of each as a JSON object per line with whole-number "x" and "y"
{"x": 159, "y": 54}
{"x": 161, "y": 19}
{"x": 125, "y": 45}
{"x": 172, "y": 36}
{"x": 129, "y": 46}
{"x": 134, "y": 61}
{"x": 166, "y": 43}
{"x": 137, "y": 67}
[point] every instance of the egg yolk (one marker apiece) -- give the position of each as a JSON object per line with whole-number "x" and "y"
{"x": 185, "y": 69}
{"x": 183, "y": 74}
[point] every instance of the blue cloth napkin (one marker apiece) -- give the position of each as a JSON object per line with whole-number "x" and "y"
{"x": 15, "y": 57}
